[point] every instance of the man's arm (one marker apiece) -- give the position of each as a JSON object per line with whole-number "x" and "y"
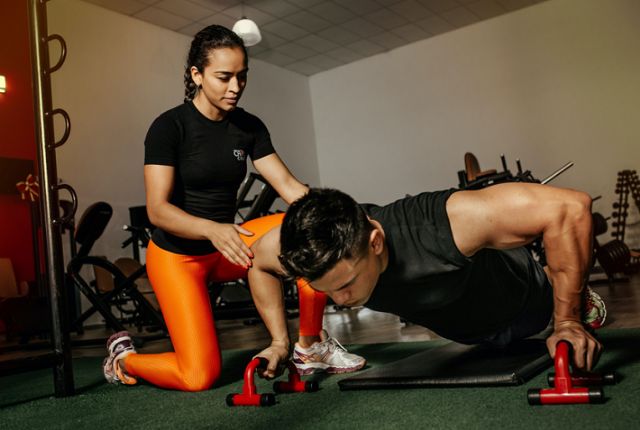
{"x": 511, "y": 215}
{"x": 266, "y": 290}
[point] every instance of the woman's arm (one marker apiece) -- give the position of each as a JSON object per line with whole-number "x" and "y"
{"x": 280, "y": 178}
{"x": 158, "y": 181}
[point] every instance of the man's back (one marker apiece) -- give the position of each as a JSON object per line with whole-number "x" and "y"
{"x": 428, "y": 281}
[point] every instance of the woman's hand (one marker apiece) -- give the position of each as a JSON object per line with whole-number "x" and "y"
{"x": 226, "y": 239}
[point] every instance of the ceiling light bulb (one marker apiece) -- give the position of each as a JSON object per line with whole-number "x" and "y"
{"x": 248, "y": 31}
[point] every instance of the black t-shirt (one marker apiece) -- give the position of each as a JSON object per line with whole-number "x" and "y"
{"x": 430, "y": 283}
{"x": 210, "y": 163}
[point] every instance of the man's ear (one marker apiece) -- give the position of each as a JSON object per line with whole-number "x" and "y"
{"x": 376, "y": 241}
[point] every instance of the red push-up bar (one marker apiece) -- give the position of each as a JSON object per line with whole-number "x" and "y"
{"x": 568, "y": 389}
{"x": 294, "y": 384}
{"x": 250, "y": 396}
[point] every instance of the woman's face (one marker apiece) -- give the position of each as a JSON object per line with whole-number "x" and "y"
{"x": 223, "y": 81}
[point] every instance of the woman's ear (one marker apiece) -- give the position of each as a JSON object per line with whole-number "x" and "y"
{"x": 196, "y": 76}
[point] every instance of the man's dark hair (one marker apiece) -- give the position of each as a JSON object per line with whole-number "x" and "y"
{"x": 320, "y": 229}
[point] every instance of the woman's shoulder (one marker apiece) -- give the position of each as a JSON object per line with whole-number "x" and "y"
{"x": 175, "y": 113}
{"x": 172, "y": 119}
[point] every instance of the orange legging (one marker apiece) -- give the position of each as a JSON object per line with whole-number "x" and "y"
{"x": 180, "y": 284}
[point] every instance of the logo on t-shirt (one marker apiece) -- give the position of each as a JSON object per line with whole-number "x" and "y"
{"x": 239, "y": 154}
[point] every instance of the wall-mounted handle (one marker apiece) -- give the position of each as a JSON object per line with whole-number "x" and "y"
{"x": 63, "y": 53}
{"x": 74, "y": 204}
{"x": 67, "y": 127}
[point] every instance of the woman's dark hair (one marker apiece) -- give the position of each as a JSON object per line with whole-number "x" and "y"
{"x": 207, "y": 39}
{"x": 320, "y": 229}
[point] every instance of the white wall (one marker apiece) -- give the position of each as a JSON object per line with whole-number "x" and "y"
{"x": 555, "y": 82}
{"x": 120, "y": 74}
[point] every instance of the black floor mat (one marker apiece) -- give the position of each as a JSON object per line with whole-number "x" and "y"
{"x": 456, "y": 365}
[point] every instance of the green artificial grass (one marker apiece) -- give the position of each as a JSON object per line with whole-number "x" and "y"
{"x": 26, "y": 400}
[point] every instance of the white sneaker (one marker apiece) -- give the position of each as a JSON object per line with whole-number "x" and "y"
{"x": 327, "y": 355}
{"x": 119, "y": 346}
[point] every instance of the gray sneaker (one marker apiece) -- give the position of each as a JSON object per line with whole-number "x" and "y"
{"x": 328, "y": 355}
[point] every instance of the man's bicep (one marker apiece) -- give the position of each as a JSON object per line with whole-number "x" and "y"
{"x": 501, "y": 216}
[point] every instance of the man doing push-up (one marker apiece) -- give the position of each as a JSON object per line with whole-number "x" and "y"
{"x": 452, "y": 261}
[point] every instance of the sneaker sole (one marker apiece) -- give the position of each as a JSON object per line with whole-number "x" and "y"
{"x": 310, "y": 370}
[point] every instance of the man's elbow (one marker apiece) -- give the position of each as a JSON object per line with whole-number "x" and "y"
{"x": 577, "y": 209}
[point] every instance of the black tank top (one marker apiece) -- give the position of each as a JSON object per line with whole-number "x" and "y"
{"x": 430, "y": 283}
{"x": 210, "y": 160}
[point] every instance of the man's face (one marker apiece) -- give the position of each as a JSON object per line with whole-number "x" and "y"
{"x": 351, "y": 281}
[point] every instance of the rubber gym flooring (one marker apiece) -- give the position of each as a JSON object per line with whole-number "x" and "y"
{"x": 26, "y": 400}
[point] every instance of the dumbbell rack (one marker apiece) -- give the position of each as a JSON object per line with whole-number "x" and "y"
{"x": 634, "y": 189}
{"x": 627, "y": 184}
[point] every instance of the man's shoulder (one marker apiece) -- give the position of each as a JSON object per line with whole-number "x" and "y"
{"x": 424, "y": 203}
{"x": 266, "y": 250}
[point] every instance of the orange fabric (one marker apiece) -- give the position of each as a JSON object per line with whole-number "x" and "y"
{"x": 312, "y": 304}
{"x": 180, "y": 285}
{"x": 261, "y": 226}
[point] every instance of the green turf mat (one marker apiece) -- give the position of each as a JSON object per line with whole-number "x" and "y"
{"x": 26, "y": 400}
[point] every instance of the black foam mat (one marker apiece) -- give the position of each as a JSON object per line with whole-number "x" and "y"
{"x": 456, "y": 365}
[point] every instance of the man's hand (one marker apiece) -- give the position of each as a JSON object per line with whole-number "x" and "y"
{"x": 586, "y": 349}
{"x": 277, "y": 354}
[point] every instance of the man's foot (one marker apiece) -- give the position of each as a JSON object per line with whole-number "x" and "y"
{"x": 119, "y": 346}
{"x": 328, "y": 355}
{"x": 595, "y": 311}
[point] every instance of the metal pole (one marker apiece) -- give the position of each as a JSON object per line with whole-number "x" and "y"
{"x": 556, "y": 173}
{"x": 54, "y": 265}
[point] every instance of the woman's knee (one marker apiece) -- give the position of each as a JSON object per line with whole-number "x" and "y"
{"x": 201, "y": 378}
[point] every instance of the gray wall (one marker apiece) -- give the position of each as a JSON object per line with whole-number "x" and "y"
{"x": 551, "y": 83}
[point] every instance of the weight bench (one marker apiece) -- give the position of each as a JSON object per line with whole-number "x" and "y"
{"x": 456, "y": 365}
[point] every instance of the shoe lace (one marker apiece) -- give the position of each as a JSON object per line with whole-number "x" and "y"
{"x": 334, "y": 344}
